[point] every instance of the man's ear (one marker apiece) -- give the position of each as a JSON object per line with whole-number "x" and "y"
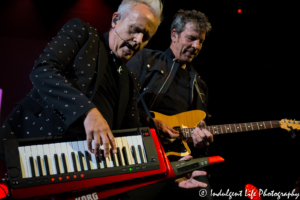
{"x": 115, "y": 18}
{"x": 174, "y": 35}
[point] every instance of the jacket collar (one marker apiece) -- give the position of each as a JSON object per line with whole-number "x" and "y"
{"x": 170, "y": 57}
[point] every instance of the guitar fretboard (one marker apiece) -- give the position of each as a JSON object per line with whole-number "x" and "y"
{"x": 233, "y": 128}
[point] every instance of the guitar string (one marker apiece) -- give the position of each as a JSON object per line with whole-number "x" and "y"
{"x": 217, "y": 129}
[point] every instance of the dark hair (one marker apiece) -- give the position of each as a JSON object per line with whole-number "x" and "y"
{"x": 196, "y": 17}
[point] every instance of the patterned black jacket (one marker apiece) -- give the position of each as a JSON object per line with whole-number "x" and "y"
{"x": 65, "y": 78}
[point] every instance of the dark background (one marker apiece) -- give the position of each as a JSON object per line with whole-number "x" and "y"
{"x": 248, "y": 62}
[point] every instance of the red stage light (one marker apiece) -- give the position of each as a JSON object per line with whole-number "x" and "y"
{"x": 52, "y": 179}
{"x": 239, "y": 11}
{"x": 60, "y": 178}
{"x": 75, "y": 176}
{"x": 67, "y": 177}
{"x": 252, "y": 192}
{"x": 3, "y": 190}
{"x": 82, "y": 175}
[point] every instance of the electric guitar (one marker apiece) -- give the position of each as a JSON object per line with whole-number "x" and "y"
{"x": 185, "y": 123}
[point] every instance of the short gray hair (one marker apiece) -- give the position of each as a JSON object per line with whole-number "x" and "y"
{"x": 196, "y": 17}
{"x": 155, "y": 5}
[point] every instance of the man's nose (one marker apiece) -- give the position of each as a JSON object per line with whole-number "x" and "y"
{"x": 139, "y": 38}
{"x": 197, "y": 45}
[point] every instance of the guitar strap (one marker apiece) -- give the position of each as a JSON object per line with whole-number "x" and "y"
{"x": 199, "y": 93}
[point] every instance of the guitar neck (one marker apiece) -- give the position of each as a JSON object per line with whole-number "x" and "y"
{"x": 233, "y": 128}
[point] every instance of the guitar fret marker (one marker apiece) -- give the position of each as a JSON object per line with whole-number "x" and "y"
{"x": 230, "y": 128}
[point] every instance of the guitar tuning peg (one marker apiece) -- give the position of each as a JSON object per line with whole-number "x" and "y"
{"x": 289, "y": 121}
{"x": 294, "y": 121}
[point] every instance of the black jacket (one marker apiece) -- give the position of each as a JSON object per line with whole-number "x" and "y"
{"x": 65, "y": 78}
{"x": 155, "y": 71}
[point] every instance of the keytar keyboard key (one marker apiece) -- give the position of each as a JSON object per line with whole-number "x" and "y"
{"x": 29, "y": 164}
{"x": 23, "y": 162}
{"x": 40, "y": 152}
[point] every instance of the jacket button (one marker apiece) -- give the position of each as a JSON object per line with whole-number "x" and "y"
{"x": 60, "y": 129}
{"x": 162, "y": 71}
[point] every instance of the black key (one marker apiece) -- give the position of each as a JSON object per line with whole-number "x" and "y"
{"x": 103, "y": 158}
{"x": 81, "y": 157}
{"x": 39, "y": 165}
{"x": 141, "y": 154}
{"x": 47, "y": 165}
{"x": 74, "y": 162}
{"x": 113, "y": 157}
{"x": 125, "y": 156}
{"x": 98, "y": 162}
{"x": 119, "y": 156}
{"x": 88, "y": 158}
{"x": 32, "y": 166}
{"x": 134, "y": 154}
{"x": 63, "y": 157}
{"x": 56, "y": 163}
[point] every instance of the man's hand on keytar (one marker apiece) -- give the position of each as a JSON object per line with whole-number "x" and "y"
{"x": 97, "y": 129}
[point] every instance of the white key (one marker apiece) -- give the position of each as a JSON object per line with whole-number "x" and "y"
{"x": 28, "y": 155}
{"x": 46, "y": 148}
{"x": 119, "y": 144}
{"x": 130, "y": 144}
{"x": 135, "y": 144}
{"x": 40, "y": 152}
{"x": 23, "y": 162}
{"x": 76, "y": 149}
{"x": 81, "y": 150}
{"x": 101, "y": 159}
{"x": 106, "y": 159}
{"x": 94, "y": 162}
{"x": 89, "y": 156}
{"x": 64, "y": 150}
{"x": 116, "y": 164}
{"x": 58, "y": 153}
{"x": 140, "y": 142}
{"x": 110, "y": 160}
{"x": 70, "y": 150}
{"x": 34, "y": 156}
{"x": 125, "y": 144}
{"x": 52, "y": 160}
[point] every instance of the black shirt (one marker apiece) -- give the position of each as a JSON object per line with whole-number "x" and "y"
{"x": 176, "y": 99}
{"x": 107, "y": 95}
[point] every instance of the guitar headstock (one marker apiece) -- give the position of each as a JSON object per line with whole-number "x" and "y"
{"x": 288, "y": 124}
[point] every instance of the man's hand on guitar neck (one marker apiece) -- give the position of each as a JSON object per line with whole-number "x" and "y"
{"x": 202, "y": 138}
{"x": 188, "y": 181}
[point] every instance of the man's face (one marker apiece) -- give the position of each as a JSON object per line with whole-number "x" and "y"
{"x": 188, "y": 45}
{"x": 136, "y": 28}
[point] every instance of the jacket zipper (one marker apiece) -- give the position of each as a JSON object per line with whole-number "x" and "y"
{"x": 164, "y": 83}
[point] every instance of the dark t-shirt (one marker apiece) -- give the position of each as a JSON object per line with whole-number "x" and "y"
{"x": 176, "y": 99}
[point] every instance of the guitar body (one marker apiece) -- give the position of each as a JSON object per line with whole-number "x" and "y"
{"x": 177, "y": 148}
{"x": 182, "y": 120}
